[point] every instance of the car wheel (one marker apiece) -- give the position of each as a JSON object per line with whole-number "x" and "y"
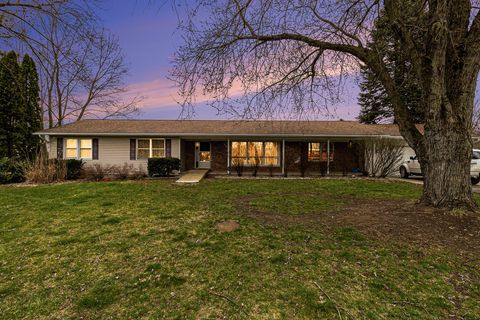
{"x": 475, "y": 180}
{"x": 403, "y": 173}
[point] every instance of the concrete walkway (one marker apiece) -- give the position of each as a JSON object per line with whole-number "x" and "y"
{"x": 193, "y": 176}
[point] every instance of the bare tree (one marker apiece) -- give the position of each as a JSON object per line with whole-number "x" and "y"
{"x": 82, "y": 66}
{"x": 285, "y": 55}
{"x": 83, "y": 74}
{"x": 20, "y": 19}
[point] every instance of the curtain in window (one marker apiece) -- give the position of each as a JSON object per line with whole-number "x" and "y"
{"x": 252, "y": 153}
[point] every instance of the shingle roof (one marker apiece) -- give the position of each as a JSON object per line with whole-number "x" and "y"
{"x": 223, "y": 127}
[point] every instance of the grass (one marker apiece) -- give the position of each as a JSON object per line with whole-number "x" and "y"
{"x": 150, "y": 250}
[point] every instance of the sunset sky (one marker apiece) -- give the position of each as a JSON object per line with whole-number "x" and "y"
{"x": 149, "y": 37}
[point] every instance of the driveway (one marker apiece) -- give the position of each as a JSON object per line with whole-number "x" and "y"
{"x": 419, "y": 180}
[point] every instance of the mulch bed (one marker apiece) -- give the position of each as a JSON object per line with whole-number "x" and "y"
{"x": 388, "y": 220}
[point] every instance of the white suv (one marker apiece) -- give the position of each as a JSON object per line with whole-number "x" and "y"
{"x": 412, "y": 167}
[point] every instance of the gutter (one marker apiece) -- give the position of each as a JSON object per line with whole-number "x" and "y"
{"x": 141, "y": 134}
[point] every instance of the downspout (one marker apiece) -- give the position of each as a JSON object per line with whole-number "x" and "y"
{"x": 283, "y": 157}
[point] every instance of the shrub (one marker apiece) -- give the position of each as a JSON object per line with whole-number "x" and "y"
{"x": 303, "y": 165}
{"x": 74, "y": 168}
{"x": 382, "y": 156}
{"x": 138, "y": 173}
{"x": 271, "y": 169}
{"x": 162, "y": 167}
{"x": 44, "y": 170}
{"x": 238, "y": 165}
{"x": 122, "y": 172}
{"x": 96, "y": 172}
{"x": 256, "y": 164}
{"x": 11, "y": 171}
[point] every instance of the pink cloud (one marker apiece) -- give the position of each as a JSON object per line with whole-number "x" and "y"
{"x": 159, "y": 93}
{"x": 162, "y": 93}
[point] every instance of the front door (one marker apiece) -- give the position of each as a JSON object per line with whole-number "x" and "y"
{"x": 202, "y": 155}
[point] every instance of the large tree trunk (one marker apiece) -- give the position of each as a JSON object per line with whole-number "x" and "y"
{"x": 446, "y": 170}
{"x": 447, "y": 154}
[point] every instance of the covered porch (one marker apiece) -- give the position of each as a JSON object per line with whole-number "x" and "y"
{"x": 273, "y": 156}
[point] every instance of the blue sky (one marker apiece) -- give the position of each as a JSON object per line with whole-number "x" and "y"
{"x": 148, "y": 36}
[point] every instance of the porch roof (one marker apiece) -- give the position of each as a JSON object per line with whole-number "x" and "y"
{"x": 227, "y": 128}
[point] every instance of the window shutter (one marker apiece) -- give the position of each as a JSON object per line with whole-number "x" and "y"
{"x": 133, "y": 149}
{"x": 94, "y": 149}
{"x": 168, "y": 147}
{"x": 59, "y": 148}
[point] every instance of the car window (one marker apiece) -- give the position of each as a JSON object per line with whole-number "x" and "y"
{"x": 476, "y": 155}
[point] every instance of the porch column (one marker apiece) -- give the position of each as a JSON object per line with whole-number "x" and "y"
{"x": 328, "y": 156}
{"x": 283, "y": 157}
{"x": 228, "y": 157}
{"x": 180, "y": 153}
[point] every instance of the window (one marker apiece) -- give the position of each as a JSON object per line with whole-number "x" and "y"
{"x": 314, "y": 151}
{"x": 78, "y": 148}
{"x": 86, "y": 148}
{"x": 250, "y": 153}
{"x": 71, "y": 149}
{"x": 150, "y": 148}
{"x": 318, "y": 151}
{"x": 203, "y": 151}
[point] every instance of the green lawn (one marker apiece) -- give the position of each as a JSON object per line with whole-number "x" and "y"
{"x": 151, "y": 250}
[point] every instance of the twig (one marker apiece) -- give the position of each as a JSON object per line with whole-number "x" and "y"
{"x": 329, "y": 298}
{"x": 230, "y": 300}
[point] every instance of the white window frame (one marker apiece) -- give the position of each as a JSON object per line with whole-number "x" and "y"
{"x": 150, "y": 149}
{"x": 79, "y": 147}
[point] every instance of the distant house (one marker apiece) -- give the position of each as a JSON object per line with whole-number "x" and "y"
{"x": 324, "y": 147}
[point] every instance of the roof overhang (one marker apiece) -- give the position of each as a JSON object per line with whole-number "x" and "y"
{"x": 214, "y": 135}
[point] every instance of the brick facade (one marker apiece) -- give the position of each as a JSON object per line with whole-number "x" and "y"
{"x": 346, "y": 158}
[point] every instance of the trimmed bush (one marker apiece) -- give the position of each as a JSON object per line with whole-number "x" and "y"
{"x": 162, "y": 167}
{"x": 74, "y": 169}
{"x": 11, "y": 171}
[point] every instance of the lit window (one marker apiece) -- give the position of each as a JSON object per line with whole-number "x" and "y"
{"x": 253, "y": 153}
{"x": 271, "y": 154}
{"x": 71, "y": 149}
{"x": 85, "y": 148}
{"x": 150, "y": 148}
{"x": 158, "y": 148}
{"x": 314, "y": 151}
{"x": 143, "y": 148}
{"x": 318, "y": 151}
{"x": 78, "y": 149}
